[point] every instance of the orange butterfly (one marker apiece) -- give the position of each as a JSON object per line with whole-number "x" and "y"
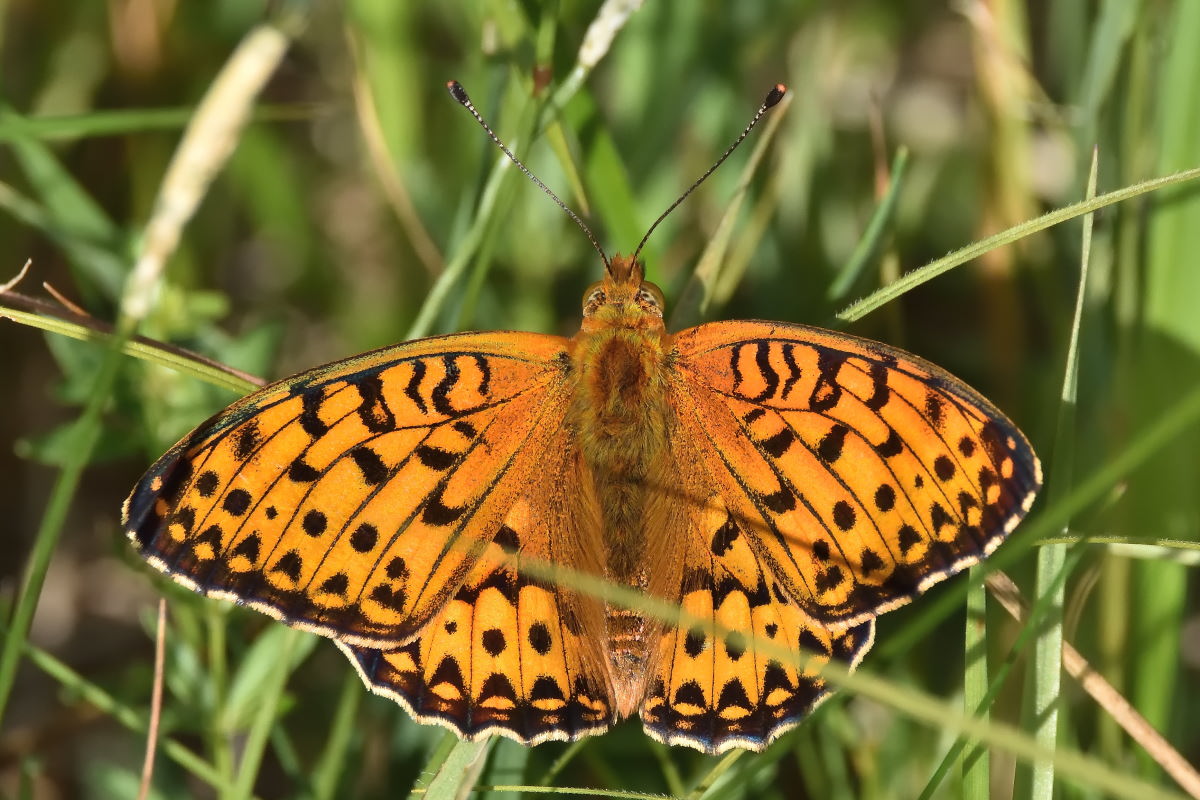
{"x": 783, "y": 483}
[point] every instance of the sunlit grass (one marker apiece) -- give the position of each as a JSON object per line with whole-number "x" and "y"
{"x": 301, "y": 253}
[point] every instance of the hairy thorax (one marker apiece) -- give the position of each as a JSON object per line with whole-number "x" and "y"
{"x": 620, "y": 412}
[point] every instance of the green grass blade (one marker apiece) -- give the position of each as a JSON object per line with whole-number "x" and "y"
{"x": 334, "y": 759}
{"x": 976, "y": 771}
{"x": 97, "y": 696}
{"x": 872, "y": 240}
{"x": 285, "y": 640}
{"x": 915, "y": 278}
{"x": 1046, "y": 674}
{"x": 454, "y": 775}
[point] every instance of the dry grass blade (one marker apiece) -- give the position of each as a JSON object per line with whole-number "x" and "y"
{"x": 160, "y": 651}
{"x": 386, "y": 171}
{"x": 1106, "y": 695}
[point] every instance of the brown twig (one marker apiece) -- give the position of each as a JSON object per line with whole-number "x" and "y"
{"x": 160, "y": 650}
{"x": 1106, "y": 695}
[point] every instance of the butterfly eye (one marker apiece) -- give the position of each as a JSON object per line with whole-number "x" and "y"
{"x": 594, "y": 296}
{"x": 650, "y": 295}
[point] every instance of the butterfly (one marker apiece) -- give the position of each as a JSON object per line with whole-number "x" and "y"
{"x": 781, "y": 484}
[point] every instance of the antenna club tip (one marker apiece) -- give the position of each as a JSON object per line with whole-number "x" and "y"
{"x": 775, "y": 95}
{"x": 457, "y": 92}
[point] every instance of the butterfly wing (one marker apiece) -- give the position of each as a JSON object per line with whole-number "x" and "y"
{"x": 513, "y": 653}
{"x": 859, "y": 474}
{"x": 352, "y": 500}
{"x": 748, "y": 671}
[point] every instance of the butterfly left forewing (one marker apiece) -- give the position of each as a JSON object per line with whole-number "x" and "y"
{"x": 351, "y": 500}
{"x": 861, "y": 474}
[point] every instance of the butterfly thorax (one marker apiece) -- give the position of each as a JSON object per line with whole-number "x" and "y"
{"x": 621, "y": 415}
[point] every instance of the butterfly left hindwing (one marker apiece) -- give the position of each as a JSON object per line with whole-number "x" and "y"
{"x": 513, "y": 652}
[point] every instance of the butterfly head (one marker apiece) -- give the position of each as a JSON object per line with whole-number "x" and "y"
{"x": 624, "y": 299}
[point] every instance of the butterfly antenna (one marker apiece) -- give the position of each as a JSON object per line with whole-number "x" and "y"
{"x": 460, "y": 94}
{"x": 774, "y": 96}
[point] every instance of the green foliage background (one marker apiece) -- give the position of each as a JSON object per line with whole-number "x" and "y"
{"x": 304, "y": 250}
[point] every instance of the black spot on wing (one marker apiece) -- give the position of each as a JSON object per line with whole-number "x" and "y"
{"x": 207, "y": 484}
{"x": 436, "y": 512}
{"x": 413, "y": 389}
{"x": 754, "y": 415}
{"x": 310, "y": 415}
{"x": 507, "y": 538}
{"x": 236, "y": 502}
{"x": 879, "y": 386}
{"x": 693, "y": 643}
{"x": 314, "y": 523}
{"x": 440, "y": 396}
{"x": 546, "y": 688}
{"x": 843, "y": 515}
{"x": 364, "y": 538}
{"x": 794, "y": 374}
{"x": 830, "y": 578}
{"x": 249, "y": 548}
{"x": 736, "y": 369}
{"x": 892, "y": 446}
{"x": 820, "y": 550}
{"x": 539, "y": 638}
{"x": 493, "y": 641}
{"x": 374, "y": 471}
{"x": 435, "y": 458}
{"x": 870, "y": 561}
{"x": 485, "y": 375}
{"x": 778, "y": 444}
{"x": 724, "y": 537}
{"x": 829, "y": 449}
{"x": 827, "y": 391}
{"x": 885, "y": 497}
{"x": 939, "y": 516}
{"x": 289, "y": 564}
{"x": 301, "y": 471}
{"x": 943, "y": 467}
{"x": 336, "y": 584}
{"x": 781, "y": 501}
{"x": 935, "y": 408}
{"x": 247, "y": 440}
{"x": 373, "y": 409}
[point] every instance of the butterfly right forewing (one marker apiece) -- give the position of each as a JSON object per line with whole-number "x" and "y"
{"x": 861, "y": 474}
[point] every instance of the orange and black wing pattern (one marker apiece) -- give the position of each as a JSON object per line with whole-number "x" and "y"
{"x": 510, "y": 654}
{"x": 516, "y": 651}
{"x": 744, "y": 668}
{"x": 353, "y": 500}
{"x": 859, "y": 475}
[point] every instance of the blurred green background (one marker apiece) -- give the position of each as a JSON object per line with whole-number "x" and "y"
{"x": 359, "y": 180}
